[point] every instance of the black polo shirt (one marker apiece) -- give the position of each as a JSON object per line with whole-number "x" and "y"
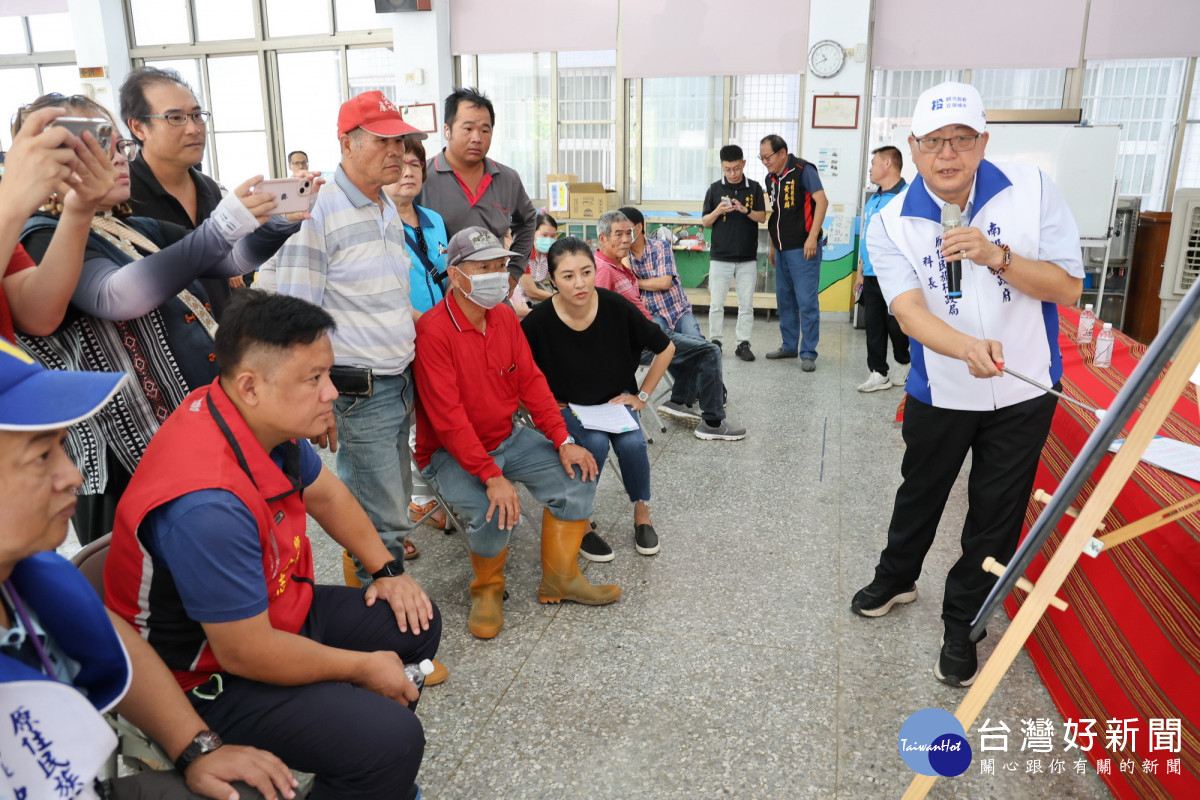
{"x": 148, "y": 198}
{"x": 735, "y": 235}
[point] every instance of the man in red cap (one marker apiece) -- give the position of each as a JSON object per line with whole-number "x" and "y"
{"x": 350, "y": 260}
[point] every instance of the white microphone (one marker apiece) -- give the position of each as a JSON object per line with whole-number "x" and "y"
{"x": 951, "y": 219}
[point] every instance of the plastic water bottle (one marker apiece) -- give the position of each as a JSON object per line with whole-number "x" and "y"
{"x": 1087, "y": 323}
{"x": 418, "y": 672}
{"x": 1104, "y": 346}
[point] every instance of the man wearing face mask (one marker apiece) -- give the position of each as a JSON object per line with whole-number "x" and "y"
{"x": 365, "y": 288}
{"x": 474, "y": 368}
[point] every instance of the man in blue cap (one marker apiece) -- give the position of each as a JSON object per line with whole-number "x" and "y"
{"x": 64, "y": 661}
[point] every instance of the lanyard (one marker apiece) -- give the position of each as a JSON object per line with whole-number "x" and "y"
{"x": 18, "y": 605}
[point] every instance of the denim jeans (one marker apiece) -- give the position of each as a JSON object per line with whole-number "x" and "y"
{"x": 630, "y": 448}
{"x": 373, "y": 457}
{"x": 526, "y": 456}
{"x": 720, "y": 274}
{"x": 797, "y": 285}
{"x": 686, "y": 324}
{"x": 697, "y": 371}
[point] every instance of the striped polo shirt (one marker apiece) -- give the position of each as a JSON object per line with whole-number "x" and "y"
{"x": 350, "y": 260}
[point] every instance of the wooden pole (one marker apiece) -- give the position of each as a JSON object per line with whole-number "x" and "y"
{"x": 1071, "y": 547}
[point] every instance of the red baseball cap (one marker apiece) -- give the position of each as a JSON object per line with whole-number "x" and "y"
{"x": 375, "y": 114}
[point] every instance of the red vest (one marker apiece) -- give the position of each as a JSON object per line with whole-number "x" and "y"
{"x": 205, "y": 444}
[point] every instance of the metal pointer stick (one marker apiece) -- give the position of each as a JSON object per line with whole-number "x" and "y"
{"x": 1099, "y": 412}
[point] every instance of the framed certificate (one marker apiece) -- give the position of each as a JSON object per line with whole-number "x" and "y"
{"x": 422, "y": 116}
{"x": 835, "y": 111}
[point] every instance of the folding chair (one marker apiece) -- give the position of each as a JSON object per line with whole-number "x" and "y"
{"x": 136, "y": 750}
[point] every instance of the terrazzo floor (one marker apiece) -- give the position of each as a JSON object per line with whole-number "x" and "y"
{"x": 731, "y": 667}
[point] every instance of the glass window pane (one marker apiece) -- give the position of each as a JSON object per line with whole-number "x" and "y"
{"x": 310, "y": 92}
{"x": 372, "y": 69}
{"x": 241, "y": 156}
{"x": 1189, "y": 160}
{"x": 894, "y": 92}
{"x": 237, "y": 102}
{"x": 587, "y": 108}
{"x": 519, "y": 86}
{"x": 12, "y": 36}
{"x": 680, "y": 129}
{"x": 159, "y": 21}
{"x": 358, "y": 15}
{"x": 61, "y": 78}
{"x": 51, "y": 32}
{"x": 1020, "y": 88}
{"x": 18, "y": 86}
{"x": 1147, "y": 128}
{"x": 297, "y": 17}
{"x": 762, "y": 105}
{"x": 224, "y": 19}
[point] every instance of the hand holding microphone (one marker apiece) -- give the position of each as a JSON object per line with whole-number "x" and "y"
{"x": 951, "y": 219}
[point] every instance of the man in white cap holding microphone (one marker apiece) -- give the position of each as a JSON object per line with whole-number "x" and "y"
{"x": 971, "y": 296}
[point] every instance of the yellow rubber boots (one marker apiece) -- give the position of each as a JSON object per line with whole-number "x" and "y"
{"x": 487, "y": 595}
{"x": 561, "y": 578}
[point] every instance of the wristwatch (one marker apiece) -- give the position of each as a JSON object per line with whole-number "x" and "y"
{"x": 392, "y": 569}
{"x": 645, "y": 398}
{"x": 569, "y": 440}
{"x": 205, "y": 742}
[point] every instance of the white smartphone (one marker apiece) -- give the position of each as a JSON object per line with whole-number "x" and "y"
{"x": 291, "y": 194}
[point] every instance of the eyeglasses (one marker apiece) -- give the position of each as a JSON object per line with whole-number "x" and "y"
{"x": 768, "y": 157}
{"x": 303, "y": 163}
{"x": 128, "y": 148}
{"x": 179, "y": 119}
{"x": 959, "y": 144}
{"x": 733, "y": 170}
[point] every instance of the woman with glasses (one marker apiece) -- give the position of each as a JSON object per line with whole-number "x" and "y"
{"x": 425, "y": 239}
{"x": 588, "y": 342}
{"x": 535, "y": 286}
{"x": 43, "y": 158}
{"x": 138, "y": 308}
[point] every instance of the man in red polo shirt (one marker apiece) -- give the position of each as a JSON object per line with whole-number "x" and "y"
{"x": 473, "y": 368}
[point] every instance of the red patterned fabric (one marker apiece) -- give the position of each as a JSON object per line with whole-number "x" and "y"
{"x": 1129, "y": 647}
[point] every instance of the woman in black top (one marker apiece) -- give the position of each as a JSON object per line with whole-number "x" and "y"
{"x": 589, "y": 342}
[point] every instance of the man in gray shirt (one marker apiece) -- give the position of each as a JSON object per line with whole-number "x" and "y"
{"x": 467, "y": 188}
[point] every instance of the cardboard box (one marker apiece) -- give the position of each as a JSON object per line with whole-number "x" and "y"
{"x": 556, "y": 192}
{"x": 590, "y": 200}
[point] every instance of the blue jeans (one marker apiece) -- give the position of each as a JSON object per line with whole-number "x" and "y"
{"x": 373, "y": 458}
{"x": 526, "y": 456}
{"x": 686, "y": 324}
{"x": 630, "y": 448}
{"x": 797, "y": 285}
{"x": 697, "y": 371}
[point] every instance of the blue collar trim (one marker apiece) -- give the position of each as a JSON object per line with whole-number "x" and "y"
{"x": 989, "y": 182}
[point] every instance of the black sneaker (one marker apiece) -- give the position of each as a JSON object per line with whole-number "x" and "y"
{"x": 878, "y": 598}
{"x": 781, "y": 353}
{"x": 645, "y": 540}
{"x": 743, "y": 351}
{"x": 593, "y": 548}
{"x": 957, "y": 664}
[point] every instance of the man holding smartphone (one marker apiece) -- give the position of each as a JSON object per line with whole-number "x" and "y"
{"x": 733, "y": 209}
{"x": 365, "y": 288}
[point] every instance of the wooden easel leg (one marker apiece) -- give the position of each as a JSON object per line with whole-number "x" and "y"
{"x": 1071, "y": 547}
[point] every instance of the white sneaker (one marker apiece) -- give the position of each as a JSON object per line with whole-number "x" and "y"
{"x": 875, "y": 383}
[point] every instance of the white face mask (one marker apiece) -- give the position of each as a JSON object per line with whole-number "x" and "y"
{"x": 488, "y": 291}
